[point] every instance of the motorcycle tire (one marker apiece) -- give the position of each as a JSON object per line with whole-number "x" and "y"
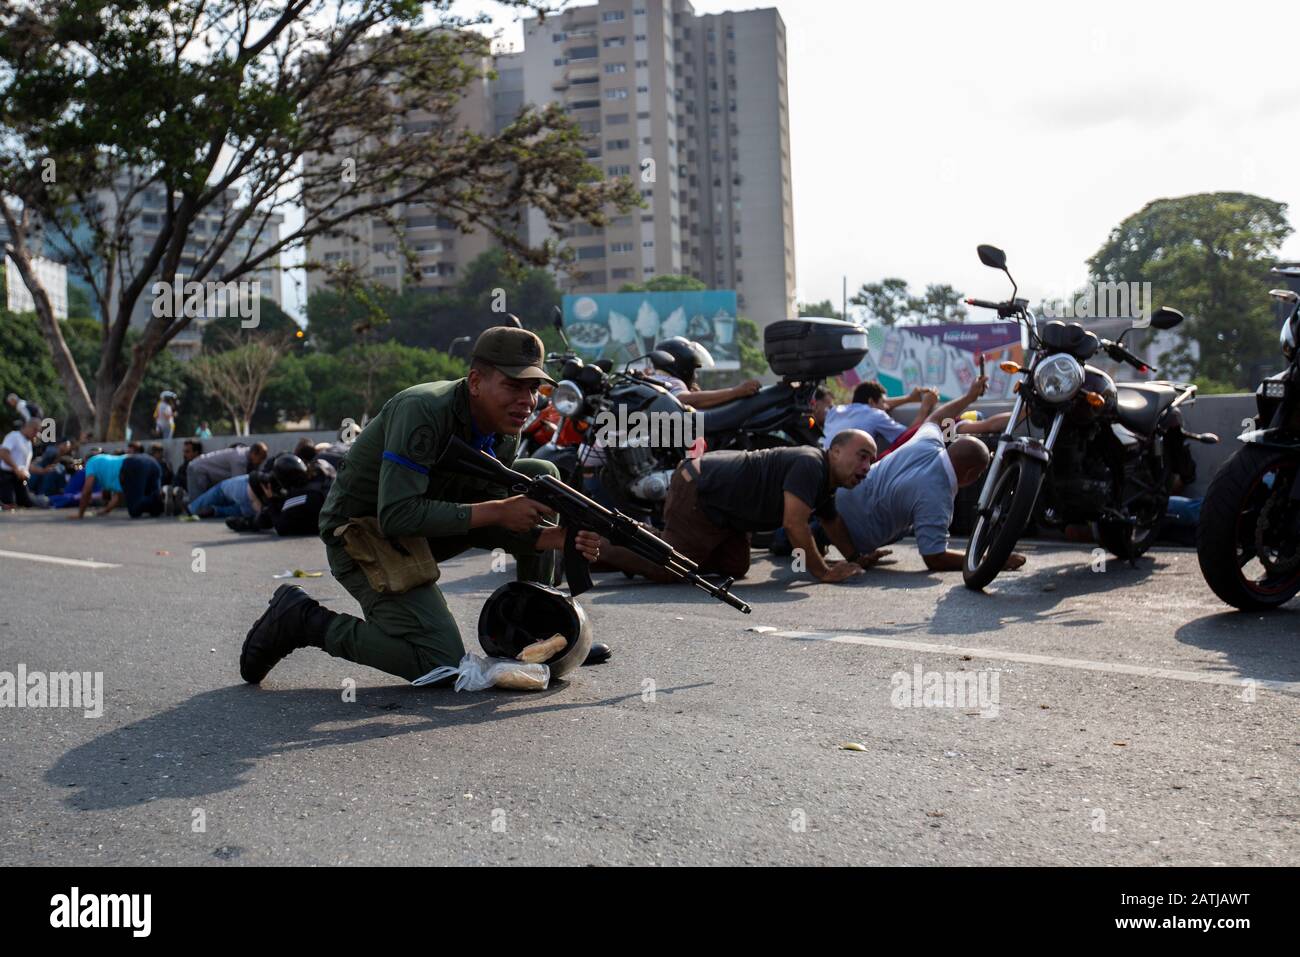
{"x": 1227, "y": 504}
{"x": 1130, "y": 542}
{"x": 1021, "y": 479}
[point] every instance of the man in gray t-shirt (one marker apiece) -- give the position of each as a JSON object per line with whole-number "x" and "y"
{"x": 212, "y": 468}
{"x": 915, "y": 488}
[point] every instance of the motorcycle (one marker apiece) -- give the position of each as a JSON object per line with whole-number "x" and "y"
{"x": 1248, "y": 539}
{"x": 1092, "y": 451}
{"x": 635, "y": 471}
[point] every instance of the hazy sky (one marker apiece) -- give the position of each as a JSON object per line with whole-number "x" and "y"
{"x": 920, "y": 129}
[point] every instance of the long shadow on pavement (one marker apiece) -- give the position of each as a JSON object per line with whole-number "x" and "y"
{"x": 214, "y": 741}
{"x": 1257, "y": 644}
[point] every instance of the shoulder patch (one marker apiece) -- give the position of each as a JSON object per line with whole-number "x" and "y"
{"x": 420, "y": 444}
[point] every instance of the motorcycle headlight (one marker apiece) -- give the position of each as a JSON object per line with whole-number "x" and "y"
{"x": 567, "y": 399}
{"x": 1058, "y": 377}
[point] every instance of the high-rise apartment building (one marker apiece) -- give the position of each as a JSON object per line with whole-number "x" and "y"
{"x": 442, "y": 250}
{"x": 692, "y": 108}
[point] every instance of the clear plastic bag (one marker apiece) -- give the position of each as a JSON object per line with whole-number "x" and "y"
{"x": 476, "y": 673}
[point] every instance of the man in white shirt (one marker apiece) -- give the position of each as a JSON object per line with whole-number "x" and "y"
{"x": 15, "y": 462}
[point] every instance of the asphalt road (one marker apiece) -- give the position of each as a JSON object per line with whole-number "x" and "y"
{"x": 1128, "y": 718}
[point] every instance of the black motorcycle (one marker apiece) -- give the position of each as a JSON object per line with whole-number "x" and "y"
{"x": 1248, "y": 540}
{"x": 634, "y": 471}
{"x": 1090, "y": 450}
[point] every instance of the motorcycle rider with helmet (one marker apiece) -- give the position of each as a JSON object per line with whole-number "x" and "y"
{"x": 676, "y": 360}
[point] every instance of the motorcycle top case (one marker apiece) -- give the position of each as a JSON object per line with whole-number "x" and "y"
{"x": 813, "y": 348}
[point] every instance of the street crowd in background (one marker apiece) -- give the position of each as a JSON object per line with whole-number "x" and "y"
{"x": 241, "y": 484}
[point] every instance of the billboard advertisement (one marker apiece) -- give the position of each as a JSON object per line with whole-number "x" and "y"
{"x": 943, "y": 356}
{"x": 622, "y": 326}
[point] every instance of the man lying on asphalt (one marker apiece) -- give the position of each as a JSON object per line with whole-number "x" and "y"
{"x": 387, "y": 476}
{"x": 714, "y": 502}
{"x": 915, "y": 487}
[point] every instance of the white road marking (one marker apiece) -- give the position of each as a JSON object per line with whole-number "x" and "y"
{"x": 55, "y": 560}
{"x": 996, "y": 654}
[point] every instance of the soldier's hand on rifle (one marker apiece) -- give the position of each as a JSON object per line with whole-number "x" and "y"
{"x": 588, "y": 543}
{"x": 516, "y": 514}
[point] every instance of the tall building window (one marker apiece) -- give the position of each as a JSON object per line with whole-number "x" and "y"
{"x": 618, "y": 93}
{"x": 615, "y": 41}
{"x": 612, "y": 16}
{"x": 615, "y": 67}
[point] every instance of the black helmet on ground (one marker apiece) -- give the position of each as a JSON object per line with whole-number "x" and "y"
{"x": 520, "y": 613}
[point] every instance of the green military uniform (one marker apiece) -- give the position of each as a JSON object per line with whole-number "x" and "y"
{"x": 389, "y": 473}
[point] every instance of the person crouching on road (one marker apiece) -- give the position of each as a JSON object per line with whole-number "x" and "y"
{"x": 134, "y": 479}
{"x": 389, "y": 490}
{"x": 714, "y": 502}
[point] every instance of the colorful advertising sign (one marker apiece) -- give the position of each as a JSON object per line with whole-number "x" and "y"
{"x": 944, "y": 356}
{"x": 622, "y": 326}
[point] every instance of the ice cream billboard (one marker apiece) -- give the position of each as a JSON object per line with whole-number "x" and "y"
{"x": 622, "y": 326}
{"x": 943, "y": 356}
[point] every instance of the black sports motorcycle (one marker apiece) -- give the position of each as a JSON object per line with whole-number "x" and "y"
{"x": 1248, "y": 540}
{"x": 635, "y": 473}
{"x": 1079, "y": 448}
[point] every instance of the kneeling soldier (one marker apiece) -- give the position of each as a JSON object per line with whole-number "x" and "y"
{"x": 388, "y": 491}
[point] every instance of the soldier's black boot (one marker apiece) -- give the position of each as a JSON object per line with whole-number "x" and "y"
{"x": 292, "y": 620}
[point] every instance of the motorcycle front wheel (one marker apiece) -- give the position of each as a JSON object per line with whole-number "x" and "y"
{"x": 995, "y": 534}
{"x": 1131, "y": 541}
{"x": 1246, "y": 541}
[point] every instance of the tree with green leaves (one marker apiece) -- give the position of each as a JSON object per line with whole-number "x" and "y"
{"x": 940, "y": 303}
{"x": 819, "y": 310}
{"x": 669, "y": 282}
{"x": 1207, "y": 255}
{"x": 888, "y": 302}
{"x": 229, "y": 112}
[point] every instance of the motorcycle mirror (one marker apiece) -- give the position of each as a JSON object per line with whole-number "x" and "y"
{"x": 1166, "y": 318}
{"x": 992, "y": 257}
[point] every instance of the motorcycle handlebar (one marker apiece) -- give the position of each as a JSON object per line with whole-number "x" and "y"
{"x": 1004, "y": 309}
{"x": 1120, "y": 354}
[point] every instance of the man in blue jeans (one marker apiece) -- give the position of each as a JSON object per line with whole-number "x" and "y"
{"x": 227, "y": 498}
{"x": 135, "y": 480}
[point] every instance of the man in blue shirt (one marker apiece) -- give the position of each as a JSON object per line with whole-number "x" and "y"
{"x": 131, "y": 479}
{"x": 915, "y": 488}
{"x": 870, "y": 411}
